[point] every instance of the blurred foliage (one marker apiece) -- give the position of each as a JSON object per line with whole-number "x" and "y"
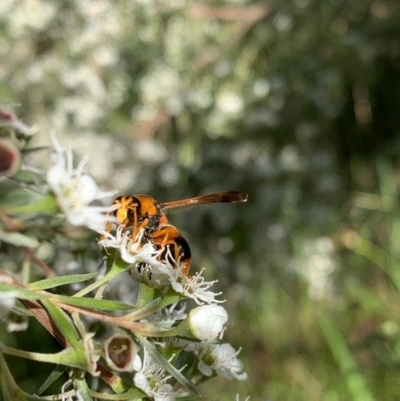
{"x": 296, "y": 103}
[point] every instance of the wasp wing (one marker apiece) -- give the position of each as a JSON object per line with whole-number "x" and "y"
{"x": 218, "y": 197}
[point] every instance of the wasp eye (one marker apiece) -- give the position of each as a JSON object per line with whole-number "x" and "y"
{"x": 131, "y": 215}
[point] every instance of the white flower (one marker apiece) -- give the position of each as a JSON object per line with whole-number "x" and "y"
{"x": 141, "y": 254}
{"x": 172, "y": 313}
{"x": 118, "y": 240}
{"x": 194, "y": 287}
{"x": 222, "y": 359}
{"x": 13, "y": 321}
{"x": 169, "y": 315}
{"x": 158, "y": 268}
{"x": 7, "y": 301}
{"x": 75, "y": 190}
{"x": 7, "y": 298}
{"x": 152, "y": 381}
{"x": 137, "y": 363}
{"x": 67, "y": 396}
{"x": 207, "y": 322}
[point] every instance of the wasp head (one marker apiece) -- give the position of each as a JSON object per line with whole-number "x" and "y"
{"x": 126, "y": 210}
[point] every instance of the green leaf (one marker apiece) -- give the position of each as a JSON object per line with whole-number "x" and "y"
{"x": 22, "y": 293}
{"x": 63, "y": 280}
{"x": 29, "y": 177}
{"x": 54, "y": 375}
{"x": 93, "y": 303}
{"x": 28, "y": 202}
{"x": 63, "y": 322}
{"x": 20, "y": 197}
{"x": 144, "y": 311}
{"x": 18, "y": 239}
{"x": 167, "y": 365}
{"x": 70, "y": 356}
{"x": 119, "y": 267}
{"x": 146, "y": 294}
{"x": 154, "y": 305}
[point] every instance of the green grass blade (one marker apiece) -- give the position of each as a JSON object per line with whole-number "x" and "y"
{"x": 355, "y": 381}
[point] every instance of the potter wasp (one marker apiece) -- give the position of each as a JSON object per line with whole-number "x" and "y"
{"x": 145, "y": 212}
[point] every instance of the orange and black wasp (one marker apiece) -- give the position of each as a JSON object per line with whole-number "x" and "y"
{"x": 145, "y": 212}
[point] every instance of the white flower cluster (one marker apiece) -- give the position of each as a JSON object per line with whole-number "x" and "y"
{"x": 152, "y": 380}
{"x": 75, "y": 190}
{"x": 218, "y": 359}
{"x": 206, "y": 322}
{"x": 149, "y": 266}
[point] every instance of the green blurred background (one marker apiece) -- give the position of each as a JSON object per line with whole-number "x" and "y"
{"x": 296, "y": 103}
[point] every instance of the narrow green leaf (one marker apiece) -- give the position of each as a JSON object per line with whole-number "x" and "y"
{"x": 63, "y": 322}
{"x": 29, "y": 177}
{"x": 20, "y": 197}
{"x": 117, "y": 268}
{"x": 73, "y": 357}
{"x": 144, "y": 311}
{"x": 54, "y": 375}
{"x": 146, "y": 294}
{"x": 170, "y": 298}
{"x": 18, "y": 239}
{"x": 93, "y": 303}
{"x": 62, "y": 280}
{"x": 167, "y": 365}
{"x": 18, "y": 292}
{"x": 44, "y": 204}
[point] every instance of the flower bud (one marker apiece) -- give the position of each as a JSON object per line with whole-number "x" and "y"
{"x": 206, "y": 322}
{"x": 10, "y": 158}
